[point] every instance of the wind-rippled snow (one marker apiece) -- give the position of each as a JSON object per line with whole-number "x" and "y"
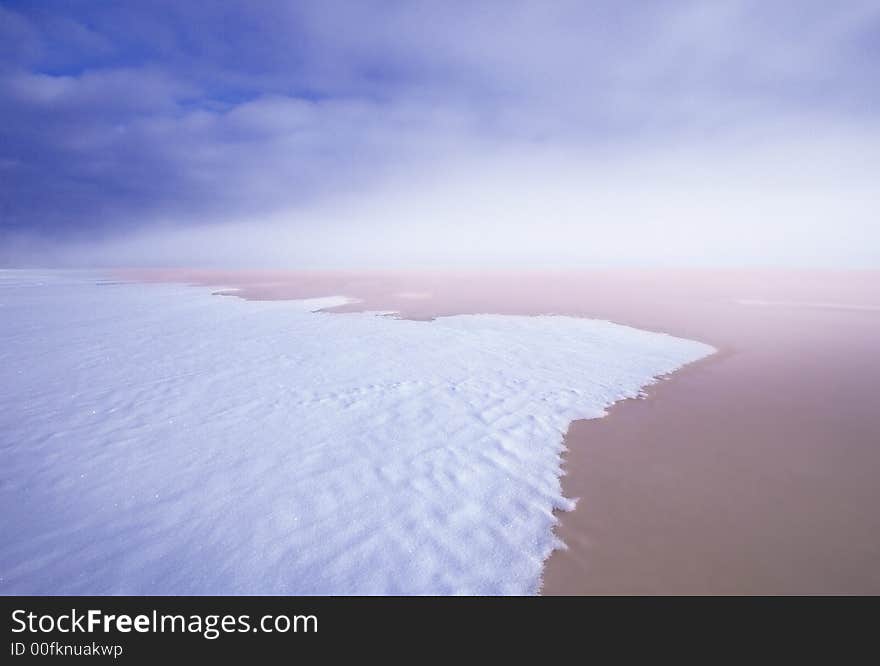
{"x": 159, "y": 440}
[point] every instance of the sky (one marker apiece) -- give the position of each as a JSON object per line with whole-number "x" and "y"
{"x": 376, "y": 134}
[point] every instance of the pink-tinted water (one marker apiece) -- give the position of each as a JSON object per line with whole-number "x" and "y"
{"x": 755, "y": 471}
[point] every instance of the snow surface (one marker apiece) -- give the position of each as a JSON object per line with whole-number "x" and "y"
{"x": 159, "y": 440}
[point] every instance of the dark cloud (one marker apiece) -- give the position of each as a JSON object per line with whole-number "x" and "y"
{"x": 118, "y": 116}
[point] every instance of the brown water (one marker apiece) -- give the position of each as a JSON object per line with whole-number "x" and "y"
{"x": 755, "y": 471}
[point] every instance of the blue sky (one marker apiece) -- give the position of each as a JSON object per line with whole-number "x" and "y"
{"x": 391, "y": 133}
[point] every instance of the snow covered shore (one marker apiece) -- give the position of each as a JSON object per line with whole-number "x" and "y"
{"x": 159, "y": 440}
